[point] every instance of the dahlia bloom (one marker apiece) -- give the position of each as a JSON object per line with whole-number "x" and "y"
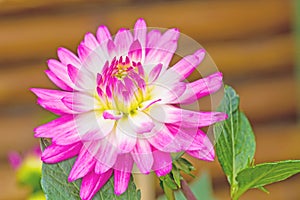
{"x": 119, "y": 106}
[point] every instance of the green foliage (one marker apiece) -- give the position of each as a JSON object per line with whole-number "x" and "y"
{"x": 171, "y": 181}
{"x": 235, "y": 149}
{"x": 201, "y": 188}
{"x": 266, "y": 173}
{"x": 56, "y": 186}
{"x": 235, "y": 139}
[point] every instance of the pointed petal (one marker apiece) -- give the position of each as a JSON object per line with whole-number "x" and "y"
{"x": 163, "y": 50}
{"x": 103, "y": 35}
{"x": 55, "y": 127}
{"x": 123, "y": 40}
{"x": 168, "y": 94}
{"x": 186, "y": 66}
{"x": 154, "y": 74}
{"x": 106, "y": 152}
{"x": 67, "y": 57}
{"x": 90, "y": 41}
{"x": 83, "y": 52}
{"x": 140, "y": 31}
{"x": 57, "y": 153}
{"x": 58, "y": 82}
{"x": 125, "y": 136}
{"x": 80, "y": 102}
{"x": 84, "y": 163}
{"x": 122, "y": 172}
{"x": 142, "y": 156}
{"x": 162, "y": 164}
{"x": 140, "y": 122}
{"x": 61, "y": 72}
{"x": 162, "y": 139}
{"x": 91, "y": 126}
{"x": 201, "y": 88}
{"x": 185, "y": 118}
{"x": 92, "y": 183}
{"x": 135, "y": 51}
{"x": 201, "y": 148}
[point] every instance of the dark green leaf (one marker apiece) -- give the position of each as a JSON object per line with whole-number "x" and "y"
{"x": 267, "y": 173}
{"x": 176, "y": 176}
{"x": 168, "y": 181}
{"x": 56, "y": 186}
{"x": 235, "y": 145}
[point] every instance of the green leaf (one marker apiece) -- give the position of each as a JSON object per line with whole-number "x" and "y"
{"x": 168, "y": 181}
{"x": 266, "y": 173}
{"x": 176, "y": 176}
{"x": 235, "y": 145}
{"x": 184, "y": 165}
{"x": 202, "y": 189}
{"x": 56, "y": 186}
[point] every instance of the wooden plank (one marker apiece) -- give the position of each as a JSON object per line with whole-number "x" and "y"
{"x": 34, "y": 37}
{"x": 273, "y": 54}
{"x": 269, "y": 98}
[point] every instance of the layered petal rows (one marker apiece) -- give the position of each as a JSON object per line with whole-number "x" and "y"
{"x": 119, "y": 107}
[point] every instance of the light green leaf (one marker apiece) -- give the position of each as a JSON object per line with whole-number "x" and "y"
{"x": 266, "y": 173}
{"x": 56, "y": 186}
{"x": 202, "y": 189}
{"x": 235, "y": 142}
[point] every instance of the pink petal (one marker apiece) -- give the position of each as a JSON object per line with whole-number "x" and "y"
{"x": 105, "y": 152}
{"x": 80, "y": 102}
{"x": 140, "y": 122}
{"x": 142, "y": 156}
{"x": 54, "y": 127}
{"x": 185, "y": 118}
{"x": 125, "y": 136}
{"x": 168, "y": 93}
{"x": 92, "y": 183}
{"x": 67, "y": 57}
{"x": 135, "y": 51}
{"x": 57, "y": 153}
{"x": 48, "y": 94}
{"x": 154, "y": 74}
{"x": 84, "y": 163}
{"x": 203, "y": 155}
{"x": 103, "y": 35}
{"x": 112, "y": 114}
{"x": 140, "y": 31}
{"x": 122, "y": 172}
{"x": 61, "y": 72}
{"x": 162, "y": 139}
{"x": 91, "y": 126}
{"x": 58, "y": 82}
{"x": 162, "y": 164}
{"x": 123, "y": 40}
{"x": 55, "y": 106}
{"x": 163, "y": 50}
{"x": 187, "y": 65}
{"x": 90, "y": 41}
{"x": 72, "y": 72}
{"x": 201, "y": 87}
{"x": 83, "y": 52}
{"x": 152, "y": 38}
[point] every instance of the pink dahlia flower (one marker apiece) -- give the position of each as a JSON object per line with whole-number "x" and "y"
{"x": 119, "y": 106}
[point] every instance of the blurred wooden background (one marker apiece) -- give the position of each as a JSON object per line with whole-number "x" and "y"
{"x": 251, "y": 41}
